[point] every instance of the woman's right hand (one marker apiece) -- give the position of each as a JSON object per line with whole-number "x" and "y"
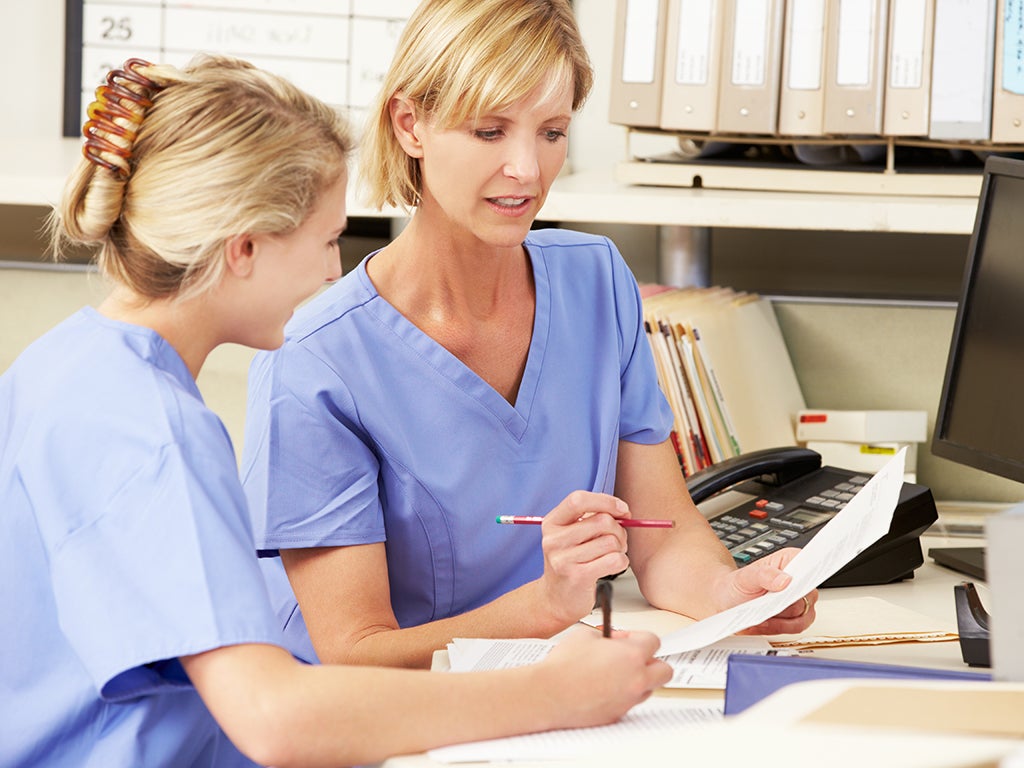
{"x": 582, "y": 542}
{"x": 596, "y": 680}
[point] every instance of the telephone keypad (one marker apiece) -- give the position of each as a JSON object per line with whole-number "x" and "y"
{"x": 758, "y": 532}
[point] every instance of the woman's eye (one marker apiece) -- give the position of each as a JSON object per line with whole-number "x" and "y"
{"x": 487, "y": 134}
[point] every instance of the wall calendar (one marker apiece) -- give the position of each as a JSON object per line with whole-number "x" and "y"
{"x": 337, "y": 50}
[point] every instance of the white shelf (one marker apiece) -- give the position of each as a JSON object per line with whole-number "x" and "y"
{"x": 598, "y": 197}
{"x": 33, "y": 173}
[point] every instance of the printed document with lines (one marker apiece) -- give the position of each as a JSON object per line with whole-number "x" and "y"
{"x": 702, "y": 668}
{"x": 864, "y": 520}
{"x": 658, "y": 716}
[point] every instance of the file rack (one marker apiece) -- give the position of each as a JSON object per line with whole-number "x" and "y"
{"x": 688, "y": 169}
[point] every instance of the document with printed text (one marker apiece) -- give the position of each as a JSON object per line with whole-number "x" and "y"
{"x": 703, "y": 668}
{"x": 864, "y": 520}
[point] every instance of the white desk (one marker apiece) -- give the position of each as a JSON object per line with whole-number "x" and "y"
{"x": 930, "y": 592}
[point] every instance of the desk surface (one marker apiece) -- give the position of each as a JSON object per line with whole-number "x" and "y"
{"x": 930, "y": 592}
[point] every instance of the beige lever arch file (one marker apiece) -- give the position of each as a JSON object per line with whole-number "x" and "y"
{"x": 909, "y": 68}
{"x": 855, "y": 66}
{"x": 637, "y": 63}
{"x": 693, "y": 56}
{"x": 802, "y": 93}
{"x": 751, "y": 63}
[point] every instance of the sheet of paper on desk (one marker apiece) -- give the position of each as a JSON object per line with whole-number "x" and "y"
{"x": 471, "y": 654}
{"x": 703, "y": 668}
{"x": 865, "y": 519}
{"x": 661, "y": 717}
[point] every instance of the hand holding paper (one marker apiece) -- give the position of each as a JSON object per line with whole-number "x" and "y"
{"x": 866, "y": 518}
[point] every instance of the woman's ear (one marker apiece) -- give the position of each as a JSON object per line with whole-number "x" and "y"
{"x": 404, "y": 123}
{"x": 239, "y": 255}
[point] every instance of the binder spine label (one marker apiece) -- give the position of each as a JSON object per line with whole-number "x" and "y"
{"x": 856, "y": 43}
{"x": 807, "y": 28}
{"x": 639, "y": 49}
{"x": 1013, "y": 47}
{"x": 750, "y": 43}
{"x": 906, "y": 64}
{"x": 694, "y": 58}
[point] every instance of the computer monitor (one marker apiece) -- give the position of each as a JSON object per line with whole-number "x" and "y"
{"x": 980, "y": 419}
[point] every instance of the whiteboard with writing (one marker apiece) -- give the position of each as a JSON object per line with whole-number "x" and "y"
{"x": 337, "y": 50}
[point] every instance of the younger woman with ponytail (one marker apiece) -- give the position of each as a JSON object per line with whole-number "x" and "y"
{"x": 140, "y": 632}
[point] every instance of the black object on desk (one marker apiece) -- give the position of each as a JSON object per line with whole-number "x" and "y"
{"x": 966, "y": 560}
{"x": 790, "y": 499}
{"x": 972, "y": 622}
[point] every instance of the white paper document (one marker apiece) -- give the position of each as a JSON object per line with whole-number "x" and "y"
{"x": 658, "y": 716}
{"x": 864, "y": 520}
{"x": 471, "y": 654}
{"x": 703, "y": 668}
{"x": 706, "y": 667}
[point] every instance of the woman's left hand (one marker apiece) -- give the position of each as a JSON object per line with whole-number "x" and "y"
{"x": 768, "y": 575}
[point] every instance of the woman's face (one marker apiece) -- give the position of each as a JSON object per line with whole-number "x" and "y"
{"x": 486, "y": 180}
{"x": 291, "y": 268}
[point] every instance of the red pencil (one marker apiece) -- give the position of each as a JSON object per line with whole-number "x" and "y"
{"x": 625, "y": 523}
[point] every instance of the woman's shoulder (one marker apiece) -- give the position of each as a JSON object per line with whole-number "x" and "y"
{"x": 567, "y": 238}
{"x": 331, "y": 304}
{"x": 569, "y": 252}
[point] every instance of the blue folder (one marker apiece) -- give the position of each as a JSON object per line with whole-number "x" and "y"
{"x": 749, "y": 677}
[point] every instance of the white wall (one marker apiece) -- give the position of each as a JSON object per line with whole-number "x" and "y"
{"x": 32, "y": 56}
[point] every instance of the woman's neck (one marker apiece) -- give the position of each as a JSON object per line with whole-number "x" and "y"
{"x": 181, "y": 323}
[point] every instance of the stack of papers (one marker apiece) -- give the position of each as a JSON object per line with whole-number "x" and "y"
{"x": 656, "y": 717}
{"x": 703, "y": 668}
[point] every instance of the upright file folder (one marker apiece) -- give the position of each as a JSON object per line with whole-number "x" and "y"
{"x": 802, "y": 93}
{"x": 962, "y": 68}
{"x": 855, "y": 67}
{"x": 693, "y": 56}
{"x": 909, "y": 68}
{"x": 748, "y": 94}
{"x": 1008, "y": 88}
{"x": 638, "y": 63}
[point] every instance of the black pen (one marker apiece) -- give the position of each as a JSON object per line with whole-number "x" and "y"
{"x": 604, "y": 599}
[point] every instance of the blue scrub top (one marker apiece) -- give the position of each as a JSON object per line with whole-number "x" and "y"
{"x": 124, "y": 544}
{"x": 363, "y": 429}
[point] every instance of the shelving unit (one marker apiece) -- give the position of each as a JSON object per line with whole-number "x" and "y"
{"x": 33, "y": 173}
{"x": 772, "y": 166}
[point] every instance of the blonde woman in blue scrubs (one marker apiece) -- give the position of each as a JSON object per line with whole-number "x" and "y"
{"x": 139, "y": 631}
{"x": 498, "y": 371}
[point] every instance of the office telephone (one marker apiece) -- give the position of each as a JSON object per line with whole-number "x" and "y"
{"x": 789, "y": 496}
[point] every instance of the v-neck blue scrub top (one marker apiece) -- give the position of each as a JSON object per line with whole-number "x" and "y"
{"x": 124, "y": 544}
{"x": 363, "y": 429}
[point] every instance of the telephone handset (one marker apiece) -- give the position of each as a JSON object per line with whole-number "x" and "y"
{"x": 789, "y": 496}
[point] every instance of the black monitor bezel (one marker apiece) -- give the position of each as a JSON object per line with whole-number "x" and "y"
{"x": 942, "y": 445}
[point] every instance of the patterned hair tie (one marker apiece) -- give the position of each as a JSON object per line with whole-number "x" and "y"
{"x": 118, "y": 110}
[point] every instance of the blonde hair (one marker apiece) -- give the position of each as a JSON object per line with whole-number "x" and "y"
{"x": 225, "y": 149}
{"x": 457, "y": 59}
